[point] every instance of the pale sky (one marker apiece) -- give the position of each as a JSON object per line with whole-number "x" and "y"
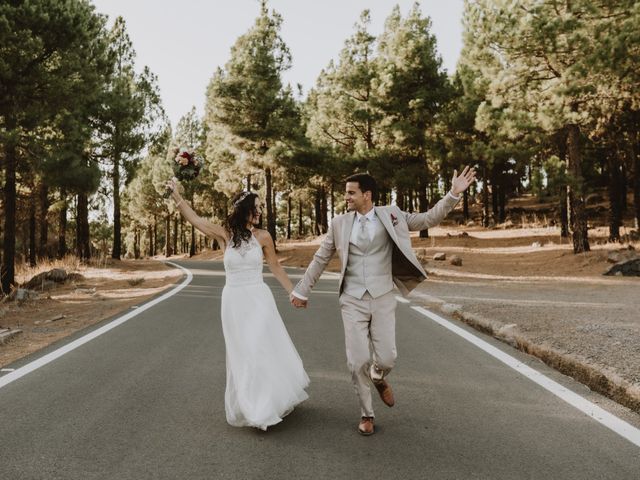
{"x": 184, "y": 41}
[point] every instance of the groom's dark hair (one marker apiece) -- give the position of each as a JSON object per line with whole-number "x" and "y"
{"x": 366, "y": 183}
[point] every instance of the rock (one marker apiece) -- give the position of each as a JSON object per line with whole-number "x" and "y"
{"x": 57, "y": 275}
{"x": 470, "y": 223}
{"x": 508, "y": 334}
{"x": 614, "y": 257}
{"x": 628, "y": 268}
{"x": 86, "y": 291}
{"x": 23, "y": 294}
{"x": 451, "y": 308}
{"x": 46, "y": 280}
{"x": 456, "y": 261}
{"x": 440, "y": 256}
{"x": 7, "y": 334}
{"x": 75, "y": 277}
{"x": 536, "y": 244}
{"x": 463, "y": 234}
{"x": 623, "y": 255}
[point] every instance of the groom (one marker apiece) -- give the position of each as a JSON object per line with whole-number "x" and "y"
{"x": 375, "y": 252}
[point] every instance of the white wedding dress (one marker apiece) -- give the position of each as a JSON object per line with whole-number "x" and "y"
{"x": 265, "y": 376}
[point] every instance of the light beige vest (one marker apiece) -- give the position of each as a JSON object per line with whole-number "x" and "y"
{"x": 370, "y": 270}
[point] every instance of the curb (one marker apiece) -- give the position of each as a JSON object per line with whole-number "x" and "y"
{"x": 602, "y": 381}
{"x": 6, "y": 335}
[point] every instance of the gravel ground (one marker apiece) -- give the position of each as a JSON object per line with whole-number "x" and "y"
{"x": 587, "y": 327}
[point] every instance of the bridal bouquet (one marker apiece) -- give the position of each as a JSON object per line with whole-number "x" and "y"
{"x": 186, "y": 166}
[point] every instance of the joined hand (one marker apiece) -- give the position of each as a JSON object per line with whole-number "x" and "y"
{"x": 297, "y": 302}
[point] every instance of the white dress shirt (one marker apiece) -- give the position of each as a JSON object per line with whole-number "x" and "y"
{"x": 370, "y": 226}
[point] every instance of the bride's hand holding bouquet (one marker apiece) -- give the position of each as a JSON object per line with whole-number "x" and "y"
{"x": 186, "y": 167}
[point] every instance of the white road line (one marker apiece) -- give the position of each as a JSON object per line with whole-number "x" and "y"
{"x": 50, "y": 357}
{"x": 610, "y": 421}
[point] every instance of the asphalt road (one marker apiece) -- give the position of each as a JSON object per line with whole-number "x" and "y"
{"x": 145, "y": 400}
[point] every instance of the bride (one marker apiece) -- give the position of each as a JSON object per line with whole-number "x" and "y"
{"x": 265, "y": 376}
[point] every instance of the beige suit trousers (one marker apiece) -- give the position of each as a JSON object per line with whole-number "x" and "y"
{"x": 370, "y": 336}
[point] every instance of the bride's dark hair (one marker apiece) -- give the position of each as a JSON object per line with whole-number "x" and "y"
{"x": 243, "y": 205}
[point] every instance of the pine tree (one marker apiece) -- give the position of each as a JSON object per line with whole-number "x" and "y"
{"x": 51, "y": 52}
{"x": 247, "y": 103}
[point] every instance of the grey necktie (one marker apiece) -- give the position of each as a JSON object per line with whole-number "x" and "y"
{"x": 363, "y": 234}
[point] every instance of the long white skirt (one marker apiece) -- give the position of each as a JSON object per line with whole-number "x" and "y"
{"x": 265, "y": 376}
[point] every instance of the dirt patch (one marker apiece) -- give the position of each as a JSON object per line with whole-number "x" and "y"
{"x": 105, "y": 290}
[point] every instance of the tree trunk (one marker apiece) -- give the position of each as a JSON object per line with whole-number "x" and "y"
{"x": 167, "y": 236}
{"x": 83, "y": 244}
{"x": 423, "y": 205}
{"x": 183, "y": 238}
{"x": 117, "y": 227}
{"x": 175, "y": 234}
{"x": 136, "y": 243}
{"x": 333, "y": 200}
{"x": 271, "y": 220}
{"x": 465, "y": 206}
{"x": 7, "y": 271}
{"x": 502, "y": 201}
{"x": 495, "y": 188}
{"x": 635, "y": 153}
{"x": 317, "y": 207}
{"x": 622, "y": 192}
{"x": 561, "y": 144}
{"x": 577, "y": 212}
{"x": 62, "y": 225}
{"x": 43, "y": 192}
{"x": 323, "y": 210}
{"x": 300, "y": 224}
{"x": 615, "y": 206}
{"x": 485, "y": 196}
{"x": 289, "y": 217}
{"x": 564, "y": 214}
{"x": 192, "y": 247}
{"x": 32, "y": 230}
{"x": 400, "y": 199}
{"x": 150, "y": 236}
{"x": 155, "y": 235}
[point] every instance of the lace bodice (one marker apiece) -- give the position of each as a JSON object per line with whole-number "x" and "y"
{"x": 243, "y": 265}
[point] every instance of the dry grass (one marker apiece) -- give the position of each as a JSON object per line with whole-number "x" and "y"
{"x": 107, "y": 288}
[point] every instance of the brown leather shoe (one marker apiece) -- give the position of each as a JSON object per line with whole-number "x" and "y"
{"x": 366, "y": 426}
{"x": 386, "y": 394}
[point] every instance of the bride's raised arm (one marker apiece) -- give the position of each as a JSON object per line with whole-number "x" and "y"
{"x": 211, "y": 230}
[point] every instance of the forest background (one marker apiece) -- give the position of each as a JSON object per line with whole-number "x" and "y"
{"x": 543, "y": 102}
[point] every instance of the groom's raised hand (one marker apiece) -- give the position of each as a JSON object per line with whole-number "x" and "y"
{"x": 459, "y": 183}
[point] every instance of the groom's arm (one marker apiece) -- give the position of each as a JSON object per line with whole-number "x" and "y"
{"x": 319, "y": 262}
{"x": 433, "y": 216}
